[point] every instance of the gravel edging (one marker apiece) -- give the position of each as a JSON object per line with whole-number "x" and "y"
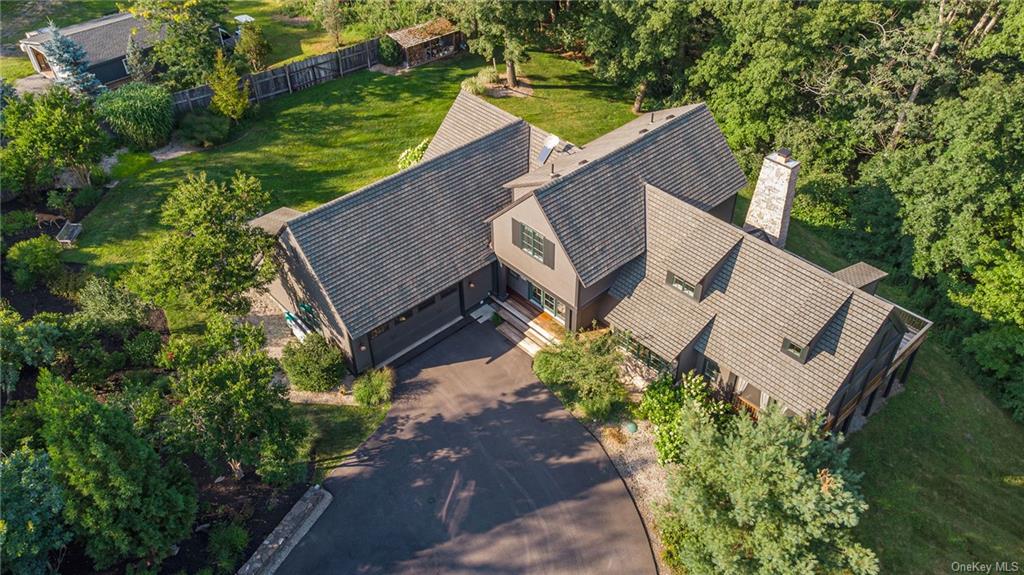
{"x": 636, "y": 461}
{"x": 276, "y": 547}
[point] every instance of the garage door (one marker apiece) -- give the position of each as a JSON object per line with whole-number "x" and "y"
{"x": 412, "y": 325}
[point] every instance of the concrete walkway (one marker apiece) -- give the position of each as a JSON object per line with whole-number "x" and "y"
{"x": 477, "y": 469}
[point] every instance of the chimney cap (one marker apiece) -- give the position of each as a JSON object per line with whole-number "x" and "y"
{"x": 785, "y": 153}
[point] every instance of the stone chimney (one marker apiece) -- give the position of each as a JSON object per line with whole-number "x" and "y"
{"x": 768, "y": 214}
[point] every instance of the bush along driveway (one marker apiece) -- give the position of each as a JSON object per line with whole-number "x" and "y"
{"x": 477, "y": 468}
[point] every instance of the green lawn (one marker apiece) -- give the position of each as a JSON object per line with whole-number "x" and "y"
{"x": 15, "y": 67}
{"x": 943, "y": 464}
{"x": 337, "y": 431}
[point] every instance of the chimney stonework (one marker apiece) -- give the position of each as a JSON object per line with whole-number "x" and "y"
{"x": 773, "y": 197}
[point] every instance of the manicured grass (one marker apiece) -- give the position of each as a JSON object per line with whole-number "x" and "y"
{"x": 338, "y": 430}
{"x": 15, "y": 67}
{"x": 20, "y": 16}
{"x": 567, "y": 100}
{"x": 290, "y": 38}
{"x": 943, "y": 464}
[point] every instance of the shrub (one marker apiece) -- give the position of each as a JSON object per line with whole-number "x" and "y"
{"x": 253, "y": 46}
{"x": 473, "y": 86}
{"x": 389, "y": 51}
{"x": 227, "y": 541}
{"x": 60, "y": 202}
{"x": 487, "y": 75}
{"x": 584, "y": 372}
{"x": 412, "y": 156}
{"x": 374, "y": 387}
{"x": 21, "y": 425}
{"x": 143, "y": 348}
{"x": 88, "y": 197}
{"x": 204, "y": 128}
{"x": 140, "y": 114}
{"x": 313, "y": 364}
{"x": 31, "y": 524}
{"x": 17, "y": 221}
{"x": 110, "y": 307}
{"x": 34, "y": 261}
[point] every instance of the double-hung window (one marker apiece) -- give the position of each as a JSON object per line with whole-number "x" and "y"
{"x": 532, "y": 242}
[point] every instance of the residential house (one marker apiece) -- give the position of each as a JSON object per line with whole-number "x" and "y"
{"x": 631, "y": 231}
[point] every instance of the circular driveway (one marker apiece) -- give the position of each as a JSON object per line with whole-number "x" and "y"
{"x": 477, "y": 469}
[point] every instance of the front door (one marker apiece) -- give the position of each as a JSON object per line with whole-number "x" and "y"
{"x": 547, "y": 302}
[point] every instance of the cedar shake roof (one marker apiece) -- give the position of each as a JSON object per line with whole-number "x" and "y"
{"x": 596, "y": 207}
{"x": 384, "y": 248}
{"x": 103, "y": 39}
{"x": 860, "y": 275}
{"x": 759, "y": 295}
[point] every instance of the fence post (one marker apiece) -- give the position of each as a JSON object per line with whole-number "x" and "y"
{"x": 287, "y": 77}
{"x": 366, "y": 49}
{"x": 341, "y": 63}
{"x": 188, "y": 98}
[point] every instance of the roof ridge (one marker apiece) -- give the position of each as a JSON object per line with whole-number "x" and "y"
{"x": 804, "y": 263}
{"x": 355, "y": 194}
{"x": 539, "y": 190}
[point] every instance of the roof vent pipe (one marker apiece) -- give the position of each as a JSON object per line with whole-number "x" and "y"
{"x": 652, "y": 117}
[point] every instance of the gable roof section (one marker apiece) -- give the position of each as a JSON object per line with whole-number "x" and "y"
{"x": 760, "y": 295}
{"x": 597, "y": 209}
{"x": 103, "y": 39}
{"x": 390, "y": 245}
{"x": 468, "y": 119}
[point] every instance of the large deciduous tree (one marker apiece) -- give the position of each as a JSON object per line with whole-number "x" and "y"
{"x": 121, "y": 499}
{"x": 498, "y": 29}
{"x": 771, "y": 496}
{"x": 190, "y": 37}
{"x": 49, "y": 132}
{"x": 231, "y": 410}
{"x": 210, "y": 256}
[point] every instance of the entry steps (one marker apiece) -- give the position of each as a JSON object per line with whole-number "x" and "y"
{"x": 521, "y": 331}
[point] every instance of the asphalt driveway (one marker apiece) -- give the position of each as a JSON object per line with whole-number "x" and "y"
{"x": 477, "y": 469}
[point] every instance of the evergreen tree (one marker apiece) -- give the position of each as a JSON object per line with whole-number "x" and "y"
{"x": 31, "y": 524}
{"x": 771, "y": 496}
{"x": 139, "y": 66}
{"x": 228, "y": 98}
{"x": 70, "y": 64}
{"x": 120, "y": 498}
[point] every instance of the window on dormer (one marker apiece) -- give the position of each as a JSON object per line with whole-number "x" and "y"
{"x": 793, "y": 350}
{"x": 680, "y": 284}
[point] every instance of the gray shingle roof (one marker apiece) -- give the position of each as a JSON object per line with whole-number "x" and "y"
{"x": 760, "y": 295}
{"x": 860, "y": 274}
{"x": 597, "y": 208}
{"x": 468, "y": 119}
{"x": 273, "y": 222}
{"x": 103, "y": 39}
{"x": 390, "y": 245}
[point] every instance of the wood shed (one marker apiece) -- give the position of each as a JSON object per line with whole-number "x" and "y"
{"x": 427, "y": 42}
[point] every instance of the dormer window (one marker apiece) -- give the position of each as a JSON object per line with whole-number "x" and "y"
{"x": 680, "y": 284}
{"x": 794, "y": 350}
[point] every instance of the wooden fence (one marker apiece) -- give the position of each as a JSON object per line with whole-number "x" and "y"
{"x": 293, "y": 77}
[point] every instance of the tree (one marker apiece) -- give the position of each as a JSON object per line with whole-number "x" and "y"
{"x": 331, "y": 17}
{"x": 230, "y": 409}
{"x": 139, "y": 66}
{"x": 500, "y": 29}
{"x": 771, "y": 496}
{"x": 382, "y": 16}
{"x": 230, "y": 95}
{"x": 633, "y": 44}
{"x": 253, "y": 46}
{"x": 120, "y": 498}
{"x": 50, "y": 132}
{"x": 70, "y": 64}
{"x": 190, "y": 38}
{"x": 211, "y": 255}
{"x": 31, "y": 526}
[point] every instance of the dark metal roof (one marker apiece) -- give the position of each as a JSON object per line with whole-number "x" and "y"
{"x": 387, "y": 247}
{"x": 760, "y": 295}
{"x": 597, "y": 208}
{"x": 103, "y": 39}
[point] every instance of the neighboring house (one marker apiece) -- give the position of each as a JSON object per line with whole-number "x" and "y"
{"x": 105, "y": 41}
{"x": 632, "y": 230}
